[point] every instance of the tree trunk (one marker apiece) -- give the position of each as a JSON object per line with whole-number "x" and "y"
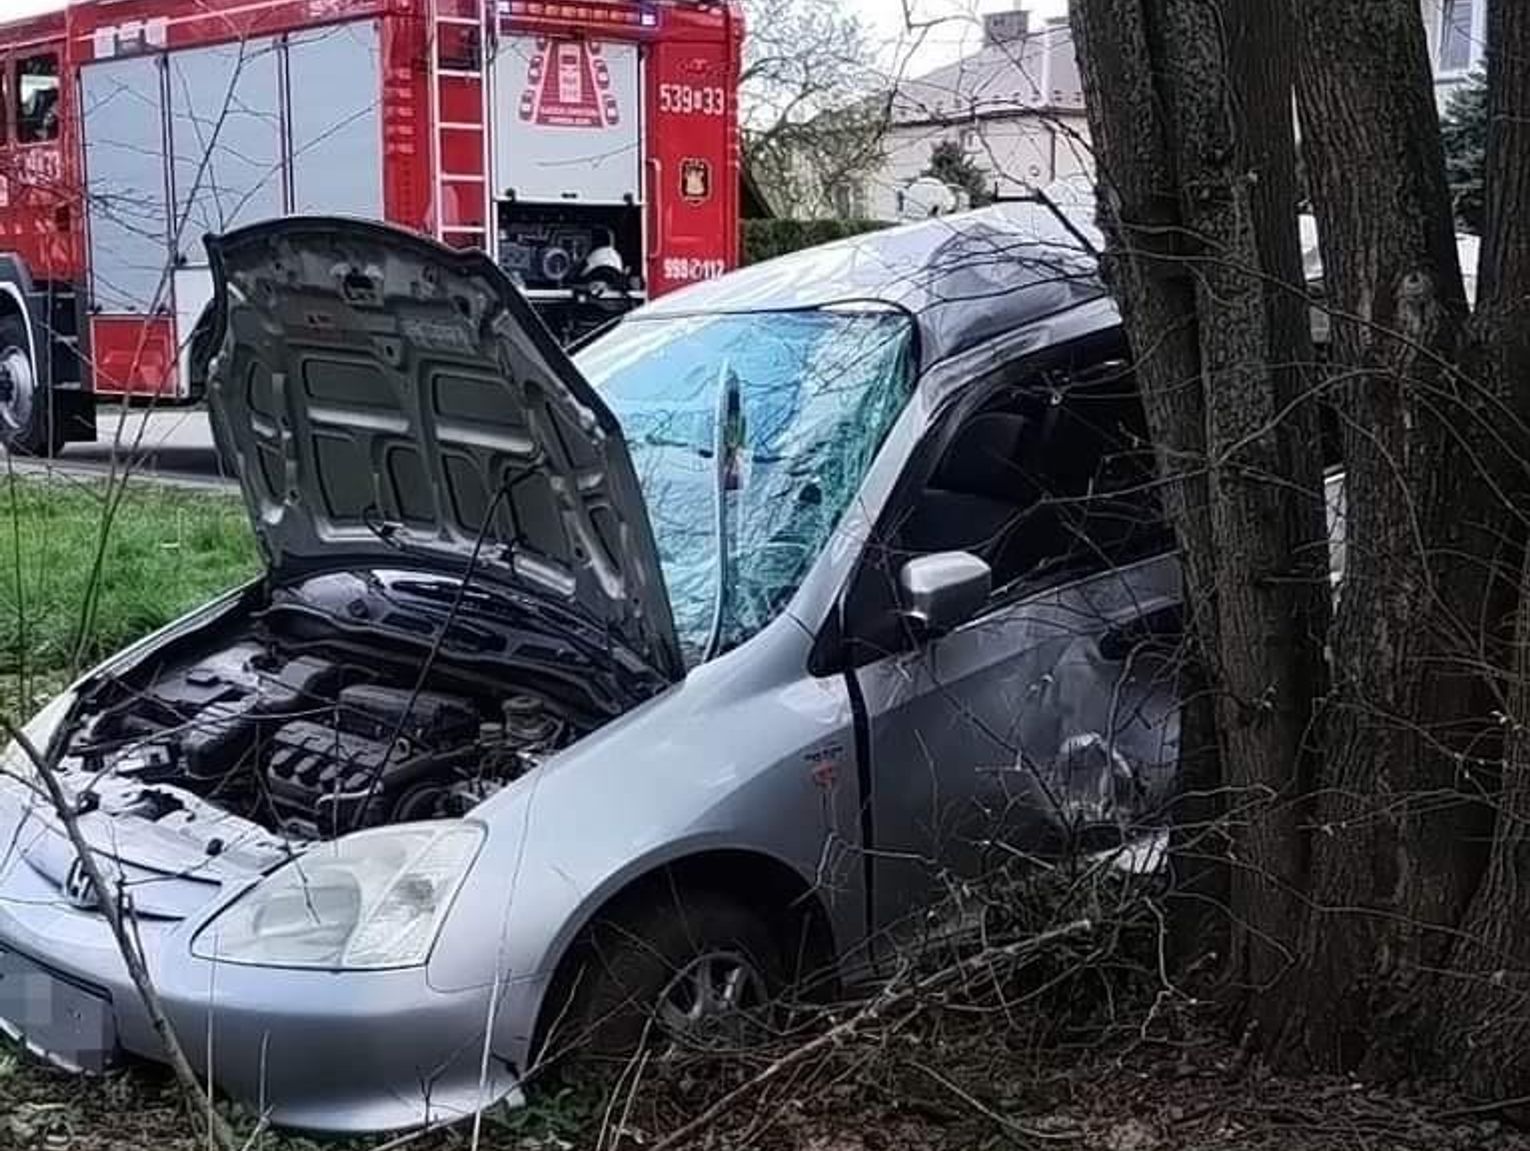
{"x": 1139, "y": 213}
{"x": 1237, "y": 162}
{"x": 1484, "y": 1034}
{"x": 1378, "y": 866}
{"x": 1190, "y": 116}
{"x": 1392, "y": 861}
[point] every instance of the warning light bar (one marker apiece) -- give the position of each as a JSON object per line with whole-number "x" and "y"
{"x": 583, "y": 13}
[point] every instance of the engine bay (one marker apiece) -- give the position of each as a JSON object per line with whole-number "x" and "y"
{"x": 310, "y": 739}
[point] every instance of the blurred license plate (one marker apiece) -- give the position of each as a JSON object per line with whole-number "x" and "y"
{"x": 60, "y": 1020}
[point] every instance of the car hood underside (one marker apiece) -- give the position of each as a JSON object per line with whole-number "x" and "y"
{"x": 387, "y": 399}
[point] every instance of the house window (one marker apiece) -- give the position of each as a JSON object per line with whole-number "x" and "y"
{"x": 37, "y": 90}
{"x": 849, "y": 200}
{"x": 1455, "y": 35}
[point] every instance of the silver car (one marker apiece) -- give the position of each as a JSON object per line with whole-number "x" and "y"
{"x": 582, "y": 697}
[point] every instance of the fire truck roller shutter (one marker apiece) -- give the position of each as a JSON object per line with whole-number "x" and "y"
{"x": 334, "y": 81}
{"x": 226, "y": 151}
{"x": 567, "y": 120}
{"x": 125, "y": 180}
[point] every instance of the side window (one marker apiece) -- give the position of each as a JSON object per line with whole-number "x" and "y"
{"x": 36, "y": 88}
{"x": 1052, "y": 481}
{"x": 1048, "y": 481}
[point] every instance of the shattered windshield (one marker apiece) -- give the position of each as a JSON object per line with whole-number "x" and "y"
{"x": 750, "y": 433}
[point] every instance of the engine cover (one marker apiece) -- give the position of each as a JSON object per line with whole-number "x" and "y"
{"x": 312, "y": 761}
{"x": 425, "y": 720}
{"x": 378, "y": 744}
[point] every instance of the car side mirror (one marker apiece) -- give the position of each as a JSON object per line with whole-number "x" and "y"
{"x": 943, "y": 591}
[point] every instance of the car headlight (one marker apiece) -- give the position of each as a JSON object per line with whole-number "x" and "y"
{"x": 367, "y": 901}
{"x": 40, "y": 730}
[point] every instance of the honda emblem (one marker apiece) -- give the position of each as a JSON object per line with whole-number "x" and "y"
{"x": 78, "y": 888}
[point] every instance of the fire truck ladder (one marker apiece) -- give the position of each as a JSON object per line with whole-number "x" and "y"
{"x": 459, "y": 93}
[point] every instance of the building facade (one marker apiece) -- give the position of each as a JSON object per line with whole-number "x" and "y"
{"x": 1016, "y": 109}
{"x": 1457, "y": 31}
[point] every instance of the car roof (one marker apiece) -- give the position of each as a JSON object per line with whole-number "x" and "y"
{"x": 965, "y": 278}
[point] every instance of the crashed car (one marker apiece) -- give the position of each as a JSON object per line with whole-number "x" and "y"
{"x": 583, "y": 697}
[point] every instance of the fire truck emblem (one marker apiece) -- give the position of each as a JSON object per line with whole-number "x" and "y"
{"x": 695, "y": 181}
{"x": 568, "y": 85}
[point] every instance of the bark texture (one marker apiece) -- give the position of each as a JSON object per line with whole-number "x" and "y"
{"x": 1484, "y": 999}
{"x": 1392, "y": 857}
{"x": 1189, "y": 114}
{"x": 1139, "y": 213}
{"x": 1238, "y": 164}
{"x": 1379, "y": 858}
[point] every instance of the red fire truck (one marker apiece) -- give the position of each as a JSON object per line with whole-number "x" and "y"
{"x": 591, "y": 146}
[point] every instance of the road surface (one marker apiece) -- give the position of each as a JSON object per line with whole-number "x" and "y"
{"x": 174, "y": 445}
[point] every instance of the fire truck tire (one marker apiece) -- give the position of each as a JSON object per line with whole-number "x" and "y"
{"x": 24, "y": 423}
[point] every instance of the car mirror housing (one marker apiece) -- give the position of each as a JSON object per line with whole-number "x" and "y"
{"x": 943, "y": 591}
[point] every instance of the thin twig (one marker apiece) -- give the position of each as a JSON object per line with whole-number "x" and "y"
{"x": 215, "y": 1126}
{"x": 1484, "y": 1108}
{"x": 889, "y": 998}
{"x": 410, "y": 1137}
{"x": 1007, "y": 1125}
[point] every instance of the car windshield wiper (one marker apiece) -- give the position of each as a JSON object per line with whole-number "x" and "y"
{"x": 728, "y": 447}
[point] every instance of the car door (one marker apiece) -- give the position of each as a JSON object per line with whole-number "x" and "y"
{"x": 1049, "y": 720}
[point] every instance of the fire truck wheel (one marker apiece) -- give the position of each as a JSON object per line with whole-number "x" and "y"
{"x": 23, "y": 406}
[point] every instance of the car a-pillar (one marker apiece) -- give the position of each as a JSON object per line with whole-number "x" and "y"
{"x": 43, "y": 399}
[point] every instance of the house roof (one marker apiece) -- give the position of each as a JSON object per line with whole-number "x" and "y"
{"x": 1036, "y": 72}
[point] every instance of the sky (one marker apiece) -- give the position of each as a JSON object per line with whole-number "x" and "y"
{"x": 956, "y": 30}
{"x": 955, "y": 27}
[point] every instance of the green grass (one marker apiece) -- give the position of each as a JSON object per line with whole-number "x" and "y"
{"x": 165, "y": 551}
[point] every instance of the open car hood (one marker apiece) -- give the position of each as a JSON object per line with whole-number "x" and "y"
{"x": 386, "y": 398}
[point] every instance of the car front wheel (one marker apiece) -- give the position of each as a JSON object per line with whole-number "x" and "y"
{"x": 691, "y": 971}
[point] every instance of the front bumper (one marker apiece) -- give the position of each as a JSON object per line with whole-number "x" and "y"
{"x": 343, "y": 1052}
